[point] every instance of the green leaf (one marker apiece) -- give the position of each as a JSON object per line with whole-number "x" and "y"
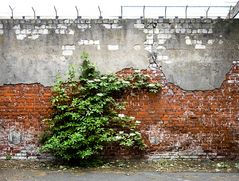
{"x": 86, "y": 112}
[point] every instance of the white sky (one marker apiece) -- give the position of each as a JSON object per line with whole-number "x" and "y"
{"x": 111, "y": 8}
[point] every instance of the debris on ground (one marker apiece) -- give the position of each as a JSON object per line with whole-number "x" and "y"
{"x": 162, "y": 165}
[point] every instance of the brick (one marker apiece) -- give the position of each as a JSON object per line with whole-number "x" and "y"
{"x": 170, "y": 119}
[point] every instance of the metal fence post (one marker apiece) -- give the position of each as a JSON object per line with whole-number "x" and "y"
{"x": 100, "y": 12}
{"x": 229, "y": 14}
{"x": 121, "y": 11}
{"x": 207, "y": 12}
{"x": 143, "y": 11}
{"x": 77, "y": 12}
{"x": 11, "y": 11}
{"x": 34, "y": 12}
{"x": 165, "y": 12}
{"x": 56, "y": 12}
{"x": 186, "y": 12}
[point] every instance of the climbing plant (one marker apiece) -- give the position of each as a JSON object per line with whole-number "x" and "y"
{"x": 87, "y": 114}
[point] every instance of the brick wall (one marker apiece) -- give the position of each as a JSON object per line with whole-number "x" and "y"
{"x": 174, "y": 122}
{"x": 22, "y": 109}
{"x": 178, "y": 123}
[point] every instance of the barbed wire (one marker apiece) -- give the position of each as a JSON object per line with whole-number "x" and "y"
{"x": 142, "y": 12}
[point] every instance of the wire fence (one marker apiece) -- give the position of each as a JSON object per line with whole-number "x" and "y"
{"x": 132, "y": 12}
{"x": 179, "y": 11}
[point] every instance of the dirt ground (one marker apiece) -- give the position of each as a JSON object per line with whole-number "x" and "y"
{"x": 132, "y": 165}
{"x": 121, "y": 170}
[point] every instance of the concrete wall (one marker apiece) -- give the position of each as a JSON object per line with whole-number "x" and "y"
{"x": 194, "y": 54}
{"x": 195, "y": 115}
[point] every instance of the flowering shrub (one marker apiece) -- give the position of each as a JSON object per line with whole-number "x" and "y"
{"x": 86, "y": 114}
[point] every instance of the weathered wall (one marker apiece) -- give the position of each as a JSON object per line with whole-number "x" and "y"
{"x": 174, "y": 122}
{"x": 193, "y": 53}
{"x": 190, "y": 124}
{"x": 35, "y": 51}
{"x": 195, "y": 115}
{"x": 22, "y": 109}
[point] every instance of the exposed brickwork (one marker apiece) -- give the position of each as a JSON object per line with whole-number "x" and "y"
{"x": 178, "y": 123}
{"x": 174, "y": 122}
{"x": 22, "y": 109}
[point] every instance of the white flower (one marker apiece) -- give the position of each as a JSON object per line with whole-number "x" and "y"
{"x": 137, "y": 122}
{"x": 118, "y": 137}
{"x": 103, "y": 77}
{"x": 121, "y": 132}
{"x": 125, "y": 82}
{"x": 121, "y": 115}
{"x": 151, "y": 85}
{"x": 99, "y": 94}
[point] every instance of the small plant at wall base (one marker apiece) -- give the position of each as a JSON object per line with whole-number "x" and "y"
{"x": 8, "y": 157}
{"x": 87, "y": 116}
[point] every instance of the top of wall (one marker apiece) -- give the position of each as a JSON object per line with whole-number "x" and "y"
{"x": 117, "y": 20}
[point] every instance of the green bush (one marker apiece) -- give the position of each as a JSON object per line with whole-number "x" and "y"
{"x": 87, "y": 116}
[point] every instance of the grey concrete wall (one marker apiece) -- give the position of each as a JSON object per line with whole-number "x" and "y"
{"x": 195, "y": 54}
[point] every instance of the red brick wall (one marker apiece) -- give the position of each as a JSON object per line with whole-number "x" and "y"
{"x": 190, "y": 123}
{"x": 22, "y": 109}
{"x": 174, "y": 122}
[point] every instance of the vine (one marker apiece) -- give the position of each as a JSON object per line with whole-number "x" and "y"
{"x": 87, "y": 115}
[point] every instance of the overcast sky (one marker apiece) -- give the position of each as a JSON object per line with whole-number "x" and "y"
{"x": 111, "y": 8}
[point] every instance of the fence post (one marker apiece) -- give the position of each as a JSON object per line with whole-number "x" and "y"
{"x": 100, "y": 12}
{"x": 34, "y": 12}
{"x": 77, "y": 12}
{"x": 186, "y": 12}
{"x": 229, "y": 14}
{"x": 56, "y": 12}
{"x": 165, "y": 12}
{"x": 11, "y": 11}
{"x": 143, "y": 11}
{"x": 207, "y": 12}
{"x": 121, "y": 9}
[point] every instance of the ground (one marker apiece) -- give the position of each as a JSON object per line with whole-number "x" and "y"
{"x": 164, "y": 170}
